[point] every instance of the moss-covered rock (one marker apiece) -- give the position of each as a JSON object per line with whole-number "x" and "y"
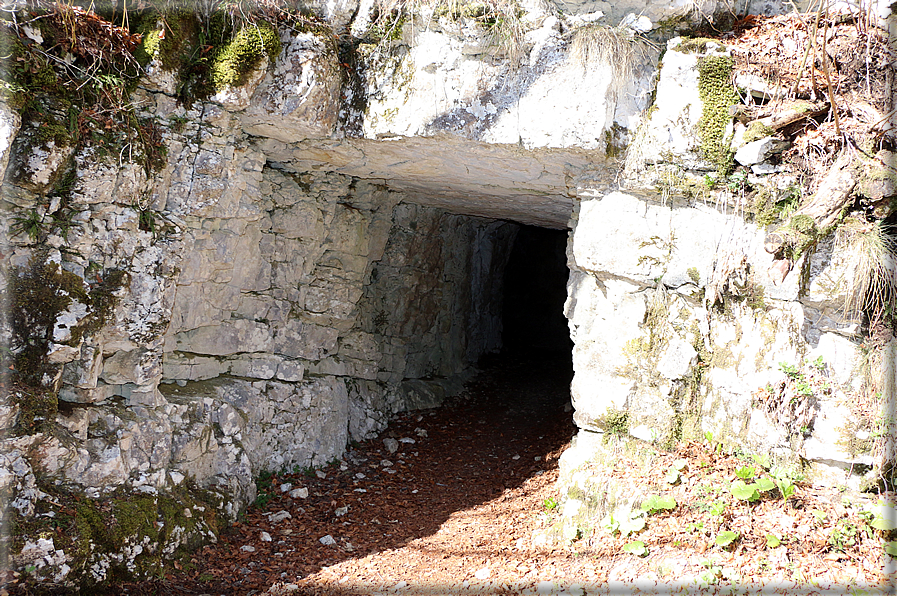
{"x": 717, "y": 94}
{"x": 242, "y": 53}
{"x": 121, "y": 536}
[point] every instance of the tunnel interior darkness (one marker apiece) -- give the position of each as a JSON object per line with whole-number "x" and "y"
{"x": 535, "y": 289}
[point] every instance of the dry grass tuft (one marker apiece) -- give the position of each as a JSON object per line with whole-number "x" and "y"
{"x": 872, "y": 289}
{"x": 599, "y": 45}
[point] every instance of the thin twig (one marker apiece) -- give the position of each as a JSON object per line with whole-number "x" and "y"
{"x": 803, "y": 61}
{"x": 828, "y": 78}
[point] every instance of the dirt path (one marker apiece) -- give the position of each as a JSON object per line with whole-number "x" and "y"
{"x": 453, "y": 510}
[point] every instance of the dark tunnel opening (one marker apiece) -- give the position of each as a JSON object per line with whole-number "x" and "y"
{"x": 536, "y": 359}
{"x": 535, "y": 289}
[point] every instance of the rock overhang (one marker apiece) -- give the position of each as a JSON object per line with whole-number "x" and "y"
{"x": 529, "y": 186}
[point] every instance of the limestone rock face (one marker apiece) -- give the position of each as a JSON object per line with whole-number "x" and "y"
{"x": 324, "y": 246}
{"x": 300, "y": 98}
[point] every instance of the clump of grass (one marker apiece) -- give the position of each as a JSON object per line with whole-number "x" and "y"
{"x": 599, "y": 45}
{"x": 872, "y": 287}
{"x": 502, "y": 19}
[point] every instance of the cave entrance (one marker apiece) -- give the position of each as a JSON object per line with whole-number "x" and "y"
{"x": 536, "y": 361}
{"x": 535, "y": 289}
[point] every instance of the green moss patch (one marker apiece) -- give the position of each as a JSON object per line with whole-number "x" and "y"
{"x": 207, "y": 55}
{"x": 99, "y": 535}
{"x": 242, "y": 53}
{"x": 717, "y": 95}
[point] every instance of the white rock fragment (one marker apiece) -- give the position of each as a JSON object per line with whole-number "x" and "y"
{"x": 286, "y": 487}
{"x": 421, "y": 432}
{"x": 299, "y": 493}
{"x": 391, "y": 445}
{"x": 407, "y": 440}
{"x": 386, "y": 463}
{"x": 327, "y": 540}
{"x": 247, "y": 549}
{"x": 278, "y": 517}
{"x": 760, "y": 150}
{"x": 265, "y": 537}
{"x": 341, "y": 511}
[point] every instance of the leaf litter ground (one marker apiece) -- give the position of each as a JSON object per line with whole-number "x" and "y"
{"x": 455, "y": 508}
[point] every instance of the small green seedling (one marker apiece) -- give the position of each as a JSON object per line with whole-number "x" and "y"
{"x": 785, "y": 487}
{"x": 819, "y": 515}
{"x": 745, "y": 492}
{"x": 717, "y": 508}
{"x": 725, "y": 538}
{"x": 694, "y": 527}
{"x": 746, "y": 472}
{"x": 550, "y": 503}
{"x": 636, "y": 547}
{"x": 793, "y": 372}
{"x": 655, "y": 503}
{"x": 772, "y": 541}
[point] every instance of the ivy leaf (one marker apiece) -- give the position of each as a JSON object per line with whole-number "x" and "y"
{"x": 636, "y": 547}
{"x": 725, "y": 538}
{"x": 891, "y": 548}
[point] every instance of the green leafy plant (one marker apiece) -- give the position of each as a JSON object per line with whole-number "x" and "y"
{"x": 764, "y": 484}
{"x": 882, "y": 516}
{"x": 762, "y": 460}
{"x": 628, "y": 524}
{"x": 31, "y": 224}
{"x": 819, "y": 516}
{"x": 655, "y": 503}
{"x": 632, "y": 524}
{"x": 772, "y": 541}
{"x": 550, "y": 503}
{"x": 745, "y": 492}
{"x": 793, "y": 372}
{"x": 636, "y": 547}
{"x": 725, "y": 538}
{"x": 746, "y": 472}
{"x": 891, "y": 548}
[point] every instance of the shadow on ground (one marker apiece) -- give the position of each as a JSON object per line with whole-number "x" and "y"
{"x": 489, "y": 439}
